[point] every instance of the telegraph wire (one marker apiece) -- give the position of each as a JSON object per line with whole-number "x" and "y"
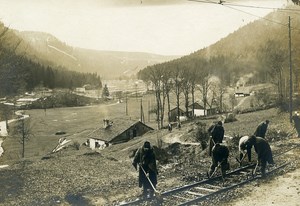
{"x": 230, "y": 7}
{"x": 240, "y": 5}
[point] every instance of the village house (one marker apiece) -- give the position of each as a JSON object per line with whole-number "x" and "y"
{"x": 173, "y": 114}
{"x": 242, "y": 92}
{"x": 80, "y": 89}
{"x": 200, "y": 111}
{"x": 116, "y": 131}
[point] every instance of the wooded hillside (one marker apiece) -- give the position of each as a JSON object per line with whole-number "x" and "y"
{"x": 256, "y": 53}
{"x": 18, "y": 73}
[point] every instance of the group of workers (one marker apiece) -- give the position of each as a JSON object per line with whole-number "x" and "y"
{"x": 220, "y": 152}
{"x": 145, "y": 160}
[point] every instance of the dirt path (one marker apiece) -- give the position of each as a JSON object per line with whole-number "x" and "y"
{"x": 283, "y": 190}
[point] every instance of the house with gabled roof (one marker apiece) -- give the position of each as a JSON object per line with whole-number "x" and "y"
{"x": 242, "y": 92}
{"x": 200, "y": 111}
{"x": 173, "y": 114}
{"x": 117, "y": 131}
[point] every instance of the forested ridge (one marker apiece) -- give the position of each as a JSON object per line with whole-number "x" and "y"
{"x": 257, "y": 53}
{"x": 250, "y": 49}
{"x": 18, "y": 73}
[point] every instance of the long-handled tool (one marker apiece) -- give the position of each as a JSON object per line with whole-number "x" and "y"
{"x": 215, "y": 170}
{"x": 255, "y": 169}
{"x": 291, "y": 131}
{"x": 240, "y": 161}
{"x": 157, "y": 193}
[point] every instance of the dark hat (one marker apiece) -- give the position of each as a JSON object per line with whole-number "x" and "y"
{"x": 147, "y": 145}
{"x": 220, "y": 123}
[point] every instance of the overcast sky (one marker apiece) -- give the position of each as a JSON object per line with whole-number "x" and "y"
{"x": 168, "y": 27}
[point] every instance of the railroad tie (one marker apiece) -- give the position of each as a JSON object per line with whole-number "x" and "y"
{"x": 195, "y": 193}
{"x": 205, "y": 189}
{"x": 213, "y": 186}
{"x": 179, "y": 197}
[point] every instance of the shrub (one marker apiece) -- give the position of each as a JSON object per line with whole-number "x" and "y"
{"x": 76, "y": 145}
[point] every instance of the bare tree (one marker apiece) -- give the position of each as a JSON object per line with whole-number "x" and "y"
{"x": 166, "y": 89}
{"x": 204, "y": 87}
{"x": 24, "y": 131}
{"x": 154, "y": 75}
{"x": 218, "y": 89}
{"x": 186, "y": 88}
{"x": 273, "y": 57}
{"x": 232, "y": 101}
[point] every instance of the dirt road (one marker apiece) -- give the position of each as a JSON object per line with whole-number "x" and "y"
{"x": 279, "y": 191}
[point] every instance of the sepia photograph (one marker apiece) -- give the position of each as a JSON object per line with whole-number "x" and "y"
{"x": 149, "y": 102}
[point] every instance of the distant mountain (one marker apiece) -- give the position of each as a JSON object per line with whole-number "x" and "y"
{"x": 21, "y": 71}
{"x": 108, "y": 64}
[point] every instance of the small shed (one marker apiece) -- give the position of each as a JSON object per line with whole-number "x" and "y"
{"x": 117, "y": 131}
{"x": 174, "y": 113}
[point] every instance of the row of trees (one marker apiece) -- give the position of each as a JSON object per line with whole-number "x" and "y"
{"x": 211, "y": 70}
{"x": 183, "y": 78}
{"x": 211, "y": 77}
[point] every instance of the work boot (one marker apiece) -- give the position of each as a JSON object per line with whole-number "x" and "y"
{"x": 145, "y": 194}
{"x": 151, "y": 193}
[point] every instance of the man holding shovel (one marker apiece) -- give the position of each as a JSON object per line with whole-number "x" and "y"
{"x": 146, "y": 160}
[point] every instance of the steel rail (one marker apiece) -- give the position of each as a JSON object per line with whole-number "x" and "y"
{"x": 206, "y": 181}
{"x": 198, "y": 199}
{"x": 186, "y": 187}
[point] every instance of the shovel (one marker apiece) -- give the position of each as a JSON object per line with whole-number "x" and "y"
{"x": 157, "y": 194}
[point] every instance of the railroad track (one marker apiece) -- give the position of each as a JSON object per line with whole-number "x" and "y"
{"x": 196, "y": 192}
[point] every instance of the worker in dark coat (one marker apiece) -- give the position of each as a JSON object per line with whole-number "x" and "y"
{"x": 216, "y": 135}
{"x": 261, "y": 129}
{"x": 263, "y": 151}
{"x": 146, "y": 160}
{"x": 220, "y": 154}
{"x": 244, "y": 148}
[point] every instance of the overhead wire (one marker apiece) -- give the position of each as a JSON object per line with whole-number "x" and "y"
{"x": 222, "y": 3}
{"x": 242, "y": 5}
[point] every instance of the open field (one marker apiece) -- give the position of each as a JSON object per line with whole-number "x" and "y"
{"x": 77, "y": 122}
{"x": 106, "y": 177}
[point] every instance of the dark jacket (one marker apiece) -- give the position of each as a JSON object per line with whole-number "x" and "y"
{"x": 217, "y": 133}
{"x": 262, "y": 148}
{"x": 146, "y": 159}
{"x": 261, "y": 130}
{"x": 220, "y": 152}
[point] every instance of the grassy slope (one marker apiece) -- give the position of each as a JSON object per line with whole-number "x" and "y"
{"x": 108, "y": 175}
